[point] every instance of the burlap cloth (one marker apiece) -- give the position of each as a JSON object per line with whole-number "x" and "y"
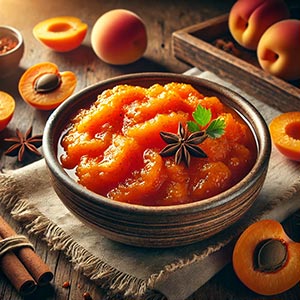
{"x": 137, "y": 273}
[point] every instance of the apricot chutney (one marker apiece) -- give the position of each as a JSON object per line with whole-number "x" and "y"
{"x": 114, "y": 146}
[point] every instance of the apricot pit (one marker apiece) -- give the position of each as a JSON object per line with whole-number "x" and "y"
{"x": 44, "y": 87}
{"x": 270, "y": 255}
{"x": 47, "y": 83}
{"x": 265, "y": 259}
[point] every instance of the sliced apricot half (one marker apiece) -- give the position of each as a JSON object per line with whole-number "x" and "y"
{"x": 265, "y": 259}
{"x": 285, "y": 134}
{"x": 149, "y": 178}
{"x": 61, "y": 34}
{"x": 44, "y": 87}
{"x": 7, "y": 109}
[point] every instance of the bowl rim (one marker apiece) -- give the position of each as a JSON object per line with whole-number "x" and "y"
{"x": 17, "y": 34}
{"x": 260, "y": 165}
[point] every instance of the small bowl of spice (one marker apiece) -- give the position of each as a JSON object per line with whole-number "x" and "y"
{"x": 11, "y": 50}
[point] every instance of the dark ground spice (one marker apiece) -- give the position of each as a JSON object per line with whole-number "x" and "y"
{"x": 7, "y": 43}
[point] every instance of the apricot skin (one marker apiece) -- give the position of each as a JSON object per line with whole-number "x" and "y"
{"x": 278, "y": 49}
{"x": 266, "y": 283}
{"x": 119, "y": 37}
{"x": 248, "y": 20}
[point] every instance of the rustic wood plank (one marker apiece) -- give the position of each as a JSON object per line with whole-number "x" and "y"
{"x": 162, "y": 18}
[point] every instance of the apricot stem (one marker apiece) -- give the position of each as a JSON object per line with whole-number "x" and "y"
{"x": 270, "y": 255}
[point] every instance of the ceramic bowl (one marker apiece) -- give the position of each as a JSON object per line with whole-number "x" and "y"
{"x": 162, "y": 226}
{"x": 10, "y": 58}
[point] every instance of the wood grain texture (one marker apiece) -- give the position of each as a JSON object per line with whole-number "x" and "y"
{"x": 162, "y": 19}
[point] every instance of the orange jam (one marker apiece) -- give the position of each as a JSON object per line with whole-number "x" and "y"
{"x": 114, "y": 146}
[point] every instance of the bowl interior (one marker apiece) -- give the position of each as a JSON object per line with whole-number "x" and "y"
{"x": 61, "y": 116}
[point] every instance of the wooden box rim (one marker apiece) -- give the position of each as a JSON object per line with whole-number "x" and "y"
{"x": 191, "y": 46}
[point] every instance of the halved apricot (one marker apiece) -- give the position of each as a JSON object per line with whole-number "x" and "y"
{"x": 285, "y": 134}
{"x": 7, "y": 108}
{"x": 235, "y": 131}
{"x": 61, "y": 34}
{"x": 44, "y": 87}
{"x": 162, "y": 103}
{"x": 117, "y": 162}
{"x": 140, "y": 187}
{"x": 146, "y": 133}
{"x": 78, "y": 145}
{"x": 214, "y": 178}
{"x": 175, "y": 188}
{"x": 239, "y": 159}
{"x": 265, "y": 259}
{"x": 109, "y": 108}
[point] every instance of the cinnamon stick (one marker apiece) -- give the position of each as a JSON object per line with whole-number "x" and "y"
{"x": 16, "y": 273}
{"x": 31, "y": 261}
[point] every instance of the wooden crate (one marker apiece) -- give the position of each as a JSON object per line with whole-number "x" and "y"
{"x": 196, "y": 45}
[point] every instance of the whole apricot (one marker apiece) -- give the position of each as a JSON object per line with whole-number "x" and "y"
{"x": 248, "y": 20}
{"x": 61, "y": 34}
{"x": 278, "y": 49}
{"x": 119, "y": 37}
{"x": 265, "y": 259}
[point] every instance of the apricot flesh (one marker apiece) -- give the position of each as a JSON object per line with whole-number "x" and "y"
{"x": 266, "y": 282}
{"x": 61, "y": 34}
{"x": 285, "y": 134}
{"x": 7, "y": 109}
{"x": 50, "y": 98}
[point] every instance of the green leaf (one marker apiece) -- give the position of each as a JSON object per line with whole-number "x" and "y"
{"x": 216, "y": 128}
{"x": 202, "y": 115}
{"x": 192, "y": 126}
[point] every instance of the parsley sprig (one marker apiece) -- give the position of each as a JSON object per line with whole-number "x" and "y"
{"x": 202, "y": 118}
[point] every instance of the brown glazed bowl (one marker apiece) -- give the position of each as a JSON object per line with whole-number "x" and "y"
{"x": 10, "y": 59}
{"x": 161, "y": 226}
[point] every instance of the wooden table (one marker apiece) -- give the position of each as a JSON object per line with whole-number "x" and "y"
{"x": 161, "y": 18}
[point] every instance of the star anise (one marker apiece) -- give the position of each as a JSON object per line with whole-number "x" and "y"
{"x": 183, "y": 145}
{"x": 22, "y": 143}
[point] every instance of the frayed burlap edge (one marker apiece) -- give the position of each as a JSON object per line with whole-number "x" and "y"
{"x": 115, "y": 282}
